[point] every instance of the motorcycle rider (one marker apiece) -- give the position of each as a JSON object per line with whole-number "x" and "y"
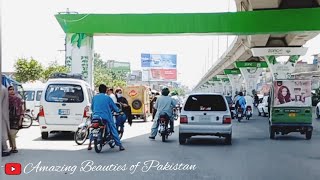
{"x": 240, "y": 102}
{"x": 249, "y": 102}
{"x": 102, "y": 105}
{"x": 256, "y": 99}
{"x": 164, "y": 104}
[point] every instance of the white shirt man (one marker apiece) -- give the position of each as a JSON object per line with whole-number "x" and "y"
{"x": 112, "y": 96}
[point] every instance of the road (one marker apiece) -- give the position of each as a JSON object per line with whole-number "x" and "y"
{"x": 252, "y": 155}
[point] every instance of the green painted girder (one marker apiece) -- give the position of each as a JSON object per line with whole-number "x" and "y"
{"x": 235, "y": 23}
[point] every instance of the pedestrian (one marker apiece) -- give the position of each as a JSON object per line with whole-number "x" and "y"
{"x": 16, "y": 114}
{"x": 5, "y": 121}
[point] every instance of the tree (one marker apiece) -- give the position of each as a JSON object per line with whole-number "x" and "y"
{"x": 104, "y": 75}
{"x": 27, "y": 70}
{"x": 54, "y": 67}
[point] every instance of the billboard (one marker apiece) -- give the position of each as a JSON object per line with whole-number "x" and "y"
{"x": 159, "y": 75}
{"x": 294, "y": 93}
{"x": 165, "y": 61}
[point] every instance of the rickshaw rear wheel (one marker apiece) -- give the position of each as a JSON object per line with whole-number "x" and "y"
{"x": 308, "y": 135}
{"x": 272, "y": 132}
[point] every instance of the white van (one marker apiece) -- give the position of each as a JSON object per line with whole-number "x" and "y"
{"x": 32, "y": 94}
{"x": 65, "y": 103}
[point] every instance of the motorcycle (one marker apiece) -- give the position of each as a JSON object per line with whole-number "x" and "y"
{"x": 176, "y": 112}
{"x": 239, "y": 114}
{"x": 164, "y": 130}
{"x": 248, "y": 112}
{"x": 99, "y": 135}
{"x": 83, "y": 131}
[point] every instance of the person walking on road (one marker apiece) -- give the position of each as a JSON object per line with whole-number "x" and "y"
{"x": 5, "y": 128}
{"x": 16, "y": 114}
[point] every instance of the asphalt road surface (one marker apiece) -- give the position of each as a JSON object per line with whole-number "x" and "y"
{"x": 252, "y": 156}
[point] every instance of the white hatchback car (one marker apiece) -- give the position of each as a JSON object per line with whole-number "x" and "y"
{"x": 65, "y": 103}
{"x": 205, "y": 114}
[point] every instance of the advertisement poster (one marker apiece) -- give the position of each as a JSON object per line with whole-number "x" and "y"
{"x": 294, "y": 93}
{"x": 163, "y": 74}
{"x": 166, "y": 61}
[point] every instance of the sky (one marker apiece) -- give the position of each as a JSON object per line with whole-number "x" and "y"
{"x": 29, "y": 29}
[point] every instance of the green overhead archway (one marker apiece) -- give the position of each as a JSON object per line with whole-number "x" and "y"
{"x": 237, "y": 23}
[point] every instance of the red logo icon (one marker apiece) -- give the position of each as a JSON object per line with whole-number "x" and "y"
{"x": 12, "y": 169}
{"x": 133, "y": 93}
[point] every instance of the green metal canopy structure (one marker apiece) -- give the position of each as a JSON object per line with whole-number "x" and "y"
{"x": 237, "y": 23}
{"x": 80, "y": 28}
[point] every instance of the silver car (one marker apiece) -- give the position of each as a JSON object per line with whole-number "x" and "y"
{"x": 205, "y": 114}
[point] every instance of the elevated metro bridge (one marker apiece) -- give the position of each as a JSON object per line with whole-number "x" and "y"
{"x": 258, "y": 23}
{"x": 240, "y": 50}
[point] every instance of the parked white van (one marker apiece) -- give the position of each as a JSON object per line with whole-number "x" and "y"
{"x": 32, "y": 94}
{"x": 65, "y": 103}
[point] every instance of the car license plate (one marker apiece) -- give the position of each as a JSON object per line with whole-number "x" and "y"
{"x": 205, "y": 118}
{"x": 95, "y": 132}
{"x": 64, "y": 111}
{"x": 239, "y": 115}
{"x": 292, "y": 114}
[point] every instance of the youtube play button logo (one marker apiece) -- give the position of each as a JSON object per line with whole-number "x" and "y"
{"x": 12, "y": 169}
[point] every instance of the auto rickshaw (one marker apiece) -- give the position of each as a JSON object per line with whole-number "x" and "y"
{"x": 138, "y": 99}
{"x": 291, "y": 108}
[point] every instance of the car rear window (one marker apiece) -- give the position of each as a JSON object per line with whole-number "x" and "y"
{"x": 205, "y": 103}
{"x": 68, "y": 93}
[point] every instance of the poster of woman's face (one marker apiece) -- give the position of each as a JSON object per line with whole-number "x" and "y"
{"x": 292, "y": 93}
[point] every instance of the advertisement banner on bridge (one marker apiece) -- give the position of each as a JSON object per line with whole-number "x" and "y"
{"x": 165, "y": 61}
{"x": 294, "y": 93}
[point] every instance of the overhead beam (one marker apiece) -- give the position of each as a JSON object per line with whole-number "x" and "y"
{"x": 238, "y": 23}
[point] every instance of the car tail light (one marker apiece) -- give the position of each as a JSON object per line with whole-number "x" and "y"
{"x": 41, "y": 111}
{"x": 86, "y": 112}
{"x": 227, "y": 120}
{"x": 183, "y": 120}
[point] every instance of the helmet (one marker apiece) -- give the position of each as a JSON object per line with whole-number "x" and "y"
{"x": 165, "y": 91}
{"x": 174, "y": 93}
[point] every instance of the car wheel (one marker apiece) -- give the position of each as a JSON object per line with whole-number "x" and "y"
{"x": 182, "y": 139}
{"x": 44, "y": 135}
{"x": 228, "y": 139}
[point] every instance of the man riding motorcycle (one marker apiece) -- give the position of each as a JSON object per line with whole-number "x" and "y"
{"x": 240, "y": 102}
{"x": 102, "y": 106}
{"x": 164, "y": 104}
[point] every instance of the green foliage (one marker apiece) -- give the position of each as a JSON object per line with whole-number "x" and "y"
{"x": 54, "y": 67}
{"x": 27, "y": 70}
{"x": 103, "y": 75}
{"x": 180, "y": 91}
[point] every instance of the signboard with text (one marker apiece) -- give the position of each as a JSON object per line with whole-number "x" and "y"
{"x": 279, "y": 51}
{"x": 165, "y": 61}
